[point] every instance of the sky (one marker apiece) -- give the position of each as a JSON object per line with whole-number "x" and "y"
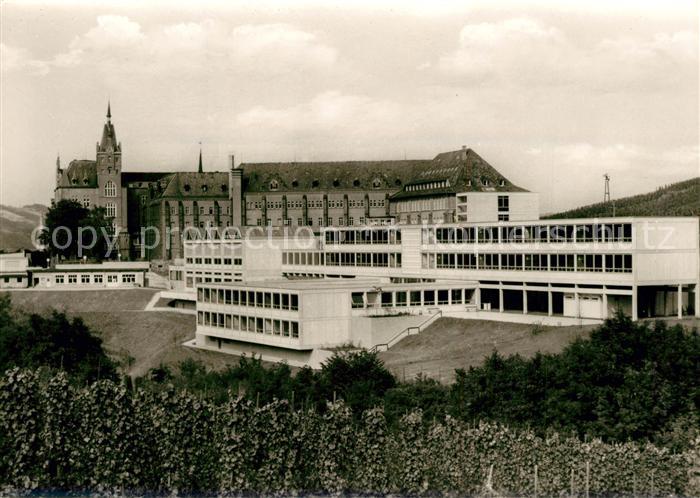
{"x": 553, "y": 94}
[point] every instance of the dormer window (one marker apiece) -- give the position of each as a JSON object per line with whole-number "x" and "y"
{"x": 274, "y": 185}
{"x": 85, "y": 181}
{"x": 485, "y": 182}
{"x": 336, "y": 183}
{"x": 397, "y": 182}
{"x": 187, "y": 187}
{"x": 315, "y": 184}
{"x": 502, "y": 183}
{"x": 295, "y": 183}
{"x": 376, "y": 183}
{"x": 74, "y": 181}
{"x": 356, "y": 183}
{"x": 469, "y": 183}
{"x": 224, "y": 187}
{"x": 205, "y": 188}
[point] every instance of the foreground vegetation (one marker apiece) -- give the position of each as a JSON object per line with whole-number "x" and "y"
{"x": 617, "y": 412}
{"x": 106, "y": 437}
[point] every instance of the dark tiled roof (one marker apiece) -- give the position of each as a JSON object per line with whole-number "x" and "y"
{"x": 80, "y": 173}
{"x": 321, "y": 176}
{"x": 212, "y": 184}
{"x": 142, "y": 177}
{"x": 449, "y": 171}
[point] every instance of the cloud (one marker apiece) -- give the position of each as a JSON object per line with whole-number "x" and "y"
{"x": 527, "y": 52}
{"x": 18, "y": 59}
{"x": 117, "y": 43}
{"x": 330, "y": 112}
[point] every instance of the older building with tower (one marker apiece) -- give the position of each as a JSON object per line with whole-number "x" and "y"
{"x": 454, "y": 186}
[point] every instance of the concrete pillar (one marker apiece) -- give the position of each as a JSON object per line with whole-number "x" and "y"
{"x": 500, "y": 299}
{"x": 697, "y": 299}
{"x": 550, "y": 307}
{"x": 634, "y": 303}
{"x": 577, "y": 305}
{"x": 605, "y": 305}
{"x": 477, "y": 298}
{"x": 524, "y": 301}
{"x": 680, "y": 300}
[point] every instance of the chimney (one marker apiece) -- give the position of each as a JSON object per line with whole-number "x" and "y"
{"x": 464, "y": 153}
{"x": 235, "y": 193}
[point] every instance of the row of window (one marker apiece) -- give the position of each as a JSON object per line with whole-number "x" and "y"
{"x": 215, "y": 261}
{"x": 201, "y": 210}
{"x": 242, "y": 323}
{"x": 414, "y": 205}
{"x": 609, "y": 263}
{"x": 590, "y": 232}
{"x": 427, "y": 186}
{"x": 97, "y": 278}
{"x": 427, "y": 297}
{"x": 373, "y": 259}
{"x": 255, "y": 299}
{"x": 364, "y": 236}
{"x": 310, "y": 221}
{"x": 315, "y": 204}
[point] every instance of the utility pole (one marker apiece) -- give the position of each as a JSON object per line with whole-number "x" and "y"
{"x": 606, "y": 194}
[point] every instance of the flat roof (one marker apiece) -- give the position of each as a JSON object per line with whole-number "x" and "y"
{"x": 334, "y": 284}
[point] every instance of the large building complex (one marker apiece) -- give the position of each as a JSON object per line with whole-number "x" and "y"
{"x": 451, "y": 187}
{"x": 345, "y": 284}
{"x": 291, "y": 260}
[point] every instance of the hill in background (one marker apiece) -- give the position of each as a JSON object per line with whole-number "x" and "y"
{"x": 676, "y": 199}
{"x": 16, "y": 225}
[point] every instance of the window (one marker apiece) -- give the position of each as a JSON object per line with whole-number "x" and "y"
{"x": 128, "y": 278}
{"x": 97, "y": 279}
{"x": 112, "y": 279}
{"x": 503, "y": 203}
{"x": 503, "y": 217}
{"x": 59, "y": 279}
{"x": 111, "y": 209}
{"x": 110, "y": 189}
{"x": 84, "y": 279}
{"x": 86, "y": 202}
{"x": 72, "y": 279}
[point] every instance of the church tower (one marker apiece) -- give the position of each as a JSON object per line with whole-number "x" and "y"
{"x": 109, "y": 166}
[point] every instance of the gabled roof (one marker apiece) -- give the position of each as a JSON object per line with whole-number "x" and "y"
{"x": 80, "y": 173}
{"x": 189, "y": 184}
{"x": 322, "y": 176}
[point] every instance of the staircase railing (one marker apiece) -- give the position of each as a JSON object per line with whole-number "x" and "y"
{"x": 412, "y": 330}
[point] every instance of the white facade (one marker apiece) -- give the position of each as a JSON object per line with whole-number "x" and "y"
{"x": 547, "y": 271}
{"x": 108, "y": 274}
{"x": 475, "y": 207}
{"x": 13, "y": 270}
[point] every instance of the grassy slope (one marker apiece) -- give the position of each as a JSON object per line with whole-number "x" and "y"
{"x": 139, "y": 339}
{"x": 677, "y": 199}
{"x": 452, "y": 343}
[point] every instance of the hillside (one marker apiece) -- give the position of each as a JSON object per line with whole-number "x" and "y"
{"x": 16, "y": 225}
{"x": 676, "y": 199}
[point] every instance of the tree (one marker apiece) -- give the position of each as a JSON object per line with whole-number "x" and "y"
{"x": 359, "y": 378}
{"x": 73, "y": 231}
{"x": 54, "y": 341}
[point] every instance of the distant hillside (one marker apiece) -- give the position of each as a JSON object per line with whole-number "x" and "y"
{"x": 677, "y": 199}
{"x": 16, "y": 225}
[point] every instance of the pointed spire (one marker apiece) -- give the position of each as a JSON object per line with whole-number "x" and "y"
{"x": 58, "y": 161}
{"x": 200, "y": 158}
{"x": 109, "y": 111}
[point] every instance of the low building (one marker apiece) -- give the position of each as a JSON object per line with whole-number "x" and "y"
{"x": 13, "y": 270}
{"x": 108, "y": 274}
